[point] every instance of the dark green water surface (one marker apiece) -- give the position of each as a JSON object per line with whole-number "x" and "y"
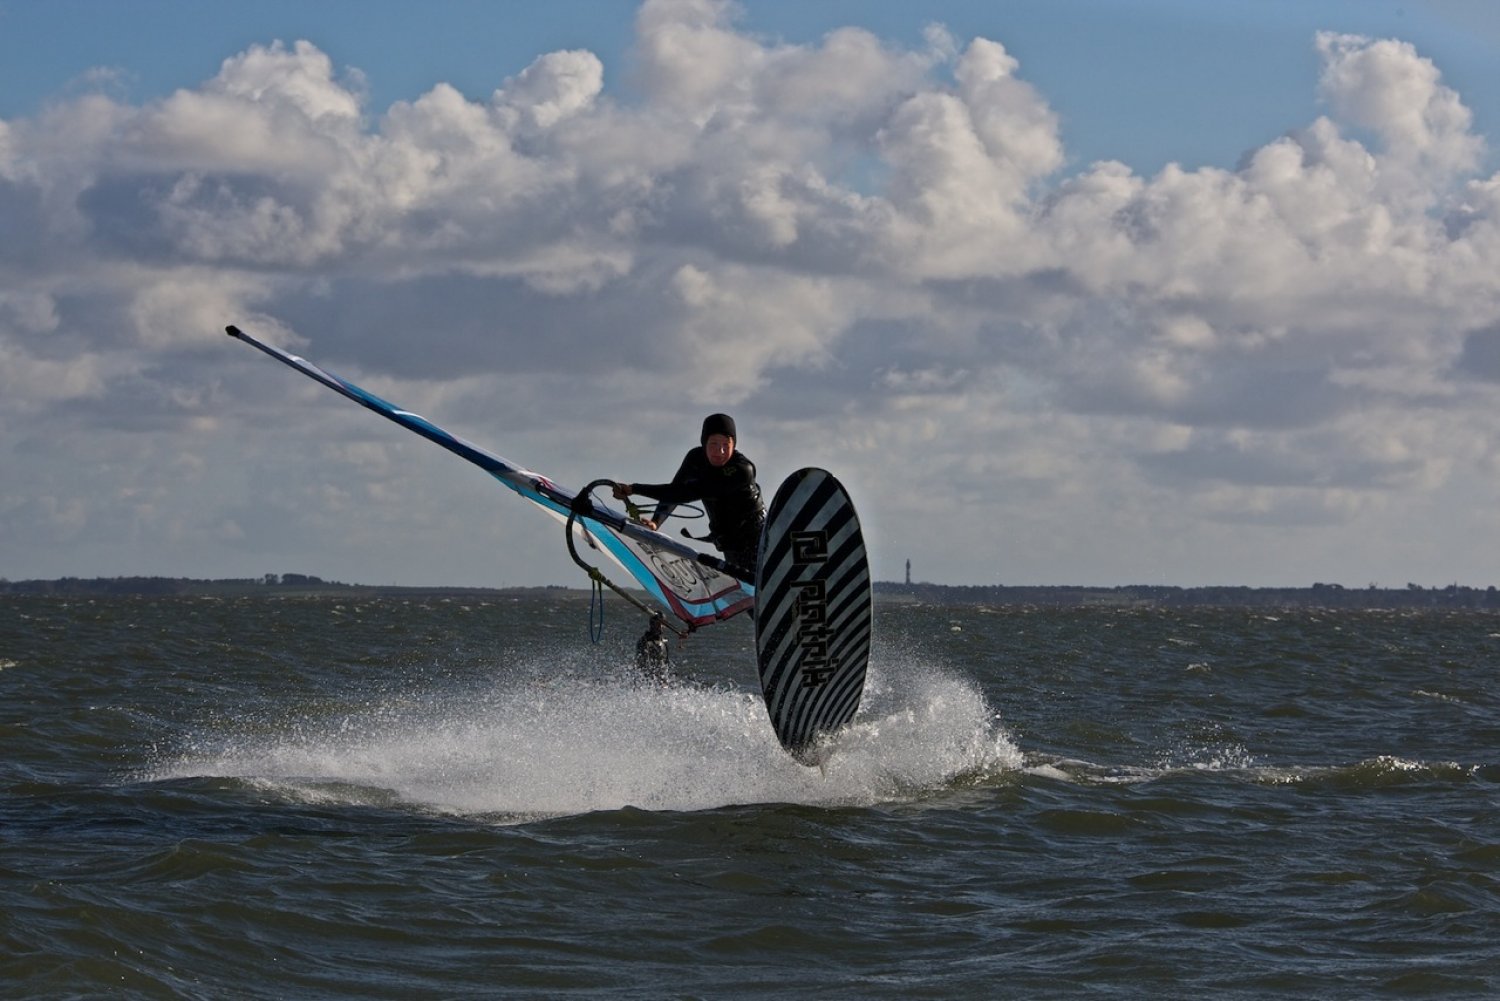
{"x": 383, "y": 798}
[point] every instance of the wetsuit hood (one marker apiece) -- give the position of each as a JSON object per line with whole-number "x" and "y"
{"x": 717, "y": 424}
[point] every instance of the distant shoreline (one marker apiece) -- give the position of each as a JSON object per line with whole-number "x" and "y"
{"x": 1127, "y": 596}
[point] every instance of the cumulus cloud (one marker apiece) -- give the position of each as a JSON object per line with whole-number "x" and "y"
{"x": 875, "y": 253}
{"x": 556, "y": 86}
{"x": 1384, "y": 86}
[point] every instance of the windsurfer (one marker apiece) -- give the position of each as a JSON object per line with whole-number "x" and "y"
{"x": 722, "y": 478}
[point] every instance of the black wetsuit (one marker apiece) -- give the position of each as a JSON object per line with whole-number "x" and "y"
{"x": 729, "y": 495}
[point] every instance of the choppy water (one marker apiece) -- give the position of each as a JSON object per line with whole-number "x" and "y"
{"x": 264, "y": 798}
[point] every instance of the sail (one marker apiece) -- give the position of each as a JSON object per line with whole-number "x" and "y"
{"x": 696, "y": 587}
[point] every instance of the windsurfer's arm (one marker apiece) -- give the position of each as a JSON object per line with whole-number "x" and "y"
{"x": 624, "y": 491}
{"x": 685, "y": 486}
{"x": 664, "y": 507}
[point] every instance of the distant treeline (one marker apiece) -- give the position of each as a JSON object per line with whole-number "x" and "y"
{"x": 165, "y": 585}
{"x": 1150, "y": 595}
{"x": 284, "y": 584}
{"x": 1137, "y": 595}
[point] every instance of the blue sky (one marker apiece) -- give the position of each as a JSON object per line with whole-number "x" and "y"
{"x": 1144, "y": 81}
{"x": 1070, "y": 292}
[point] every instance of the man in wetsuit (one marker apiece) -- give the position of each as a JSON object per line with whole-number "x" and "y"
{"x": 720, "y": 477}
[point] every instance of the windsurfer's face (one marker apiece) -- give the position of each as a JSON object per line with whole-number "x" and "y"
{"x": 719, "y": 449}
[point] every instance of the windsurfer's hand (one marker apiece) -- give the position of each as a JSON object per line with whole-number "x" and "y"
{"x": 649, "y": 523}
{"x": 622, "y": 491}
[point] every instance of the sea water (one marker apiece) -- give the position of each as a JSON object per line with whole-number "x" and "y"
{"x": 366, "y": 797}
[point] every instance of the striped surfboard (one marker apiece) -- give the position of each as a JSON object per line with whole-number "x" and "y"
{"x": 813, "y": 612}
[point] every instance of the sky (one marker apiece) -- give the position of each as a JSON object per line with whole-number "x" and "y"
{"x": 1083, "y": 292}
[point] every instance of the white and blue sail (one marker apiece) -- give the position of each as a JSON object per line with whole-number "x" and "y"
{"x": 696, "y": 587}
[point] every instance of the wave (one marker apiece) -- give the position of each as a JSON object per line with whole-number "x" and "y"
{"x": 541, "y": 744}
{"x": 1380, "y": 772}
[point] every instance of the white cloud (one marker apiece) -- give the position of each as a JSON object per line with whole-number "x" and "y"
{"x": 270, "y": 110}
{"x": 559, "y": 85}
{"x": 177, "y": 307}
{"x": 301, "y": 77}
{"x": 1386, "y": 87}
{"x": 691, "y": 60}
{"x": 28, "y": 311}
{"x": 30, "y": 382}
{"x": 1017, "y": 127}
{"x": 872, "y": 253}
